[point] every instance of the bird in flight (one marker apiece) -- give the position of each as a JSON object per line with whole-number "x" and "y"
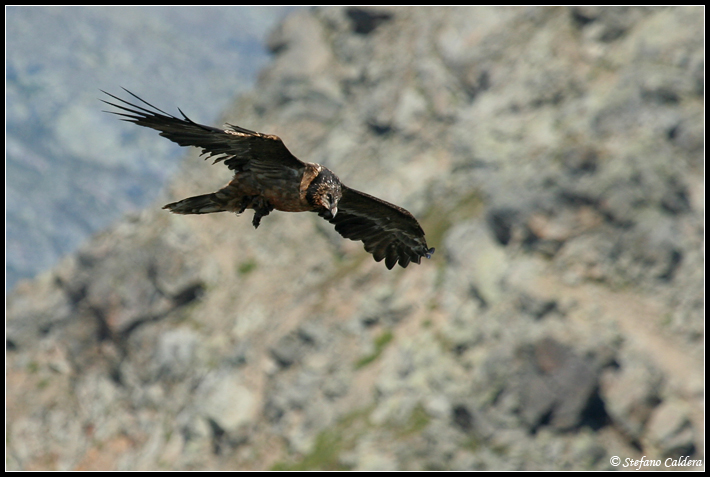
{"x": 267, "y": 177}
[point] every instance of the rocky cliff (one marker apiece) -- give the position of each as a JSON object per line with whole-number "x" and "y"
{"x": 555, "y": 159}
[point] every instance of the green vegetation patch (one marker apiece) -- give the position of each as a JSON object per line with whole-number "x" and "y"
{"x": 416, "y": 423}
{"x": 441, "y": 217}
{"x": 245, "y": 268}
{"x": 380, "y": 343}
{"x": 331, "y": 442}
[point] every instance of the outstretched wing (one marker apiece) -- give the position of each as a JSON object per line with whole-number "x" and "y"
{"x": 389, "y": 232}
{"x": 237, "y": 147}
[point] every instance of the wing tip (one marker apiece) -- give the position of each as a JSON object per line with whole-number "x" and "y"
{"x": 392, "y": 259}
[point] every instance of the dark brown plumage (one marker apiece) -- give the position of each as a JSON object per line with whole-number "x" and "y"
{"x": 267, "y": 177}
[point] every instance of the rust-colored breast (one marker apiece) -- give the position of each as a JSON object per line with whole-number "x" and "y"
{"x": 285, "y": 197}
{"x": 285, "y": 190}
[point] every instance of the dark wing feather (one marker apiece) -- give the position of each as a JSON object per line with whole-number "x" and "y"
{"x": 236, "y": 146}
{"x": 390, "y": 233}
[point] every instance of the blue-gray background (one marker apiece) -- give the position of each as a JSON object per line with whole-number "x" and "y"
{"x": 71, "y": 169}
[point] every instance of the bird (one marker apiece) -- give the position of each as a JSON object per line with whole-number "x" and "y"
{"x": 268, "y": 177}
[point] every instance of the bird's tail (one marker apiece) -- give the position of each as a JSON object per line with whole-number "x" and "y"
{"x": 201, "y": 204}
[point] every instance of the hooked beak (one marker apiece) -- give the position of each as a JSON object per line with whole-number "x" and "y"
{"x": 329, "y": 214}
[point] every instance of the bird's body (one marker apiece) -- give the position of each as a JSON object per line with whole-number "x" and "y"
{"x": 268, "y": 177}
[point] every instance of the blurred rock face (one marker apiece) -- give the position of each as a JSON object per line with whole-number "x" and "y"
{"x": 554, "y": 157}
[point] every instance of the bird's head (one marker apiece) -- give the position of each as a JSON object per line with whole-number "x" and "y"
{"x": 324, "y": 193}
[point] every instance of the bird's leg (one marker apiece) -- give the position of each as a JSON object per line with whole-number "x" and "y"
{"x": 262, "y": 208}
{"x": 246, "y": 202}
